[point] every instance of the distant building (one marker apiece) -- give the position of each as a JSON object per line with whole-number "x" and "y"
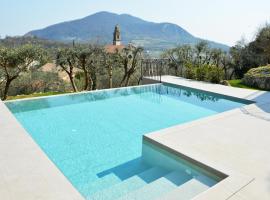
{"x": 117, "y": 36}
{"x": 116, "y": 45}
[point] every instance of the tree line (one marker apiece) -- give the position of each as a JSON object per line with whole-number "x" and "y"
{"x": 81, "y": 63}
{"x": 204, "y": 63}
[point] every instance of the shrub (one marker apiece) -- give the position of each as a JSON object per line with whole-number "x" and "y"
{"x": 201, "y": 72}
{"x": 37, "y": 81}
{"x": 210, "y": 73}
{"x": 215, "y": 74}
{"x": 258, "y": 77}
{"x": 190, "y": 72}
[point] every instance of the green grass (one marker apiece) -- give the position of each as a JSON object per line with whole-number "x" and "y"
{"x": 34, "y": 95}
{"x": 238, "y": 83}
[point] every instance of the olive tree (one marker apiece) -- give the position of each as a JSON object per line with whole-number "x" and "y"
{"x": 129, "y": 59}
{"x": 201, "y": 52}
{"x": 88, "y": 59}
{"x": 179, "y": 56}
{"x": 94, "y": 66}
{"x": 261, "y": 44}
{"x": 253, "y": 54}
{"x": 66, "y": 60}
{"x": 16, "y": 61}
{"x": 110, "y": 61}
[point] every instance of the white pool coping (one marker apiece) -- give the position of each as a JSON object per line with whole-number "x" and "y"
{"x": 236, "y": 143}
{"x": 27, "y": 173}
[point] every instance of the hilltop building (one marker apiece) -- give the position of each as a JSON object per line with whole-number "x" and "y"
{"x": 117, "y": 43}
{"x": 117, "y": 36}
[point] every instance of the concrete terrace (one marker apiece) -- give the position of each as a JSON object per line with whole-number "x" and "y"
{"x": 236, "y": 143}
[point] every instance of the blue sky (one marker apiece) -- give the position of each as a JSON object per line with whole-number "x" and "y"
{"x": 223, "y": 21}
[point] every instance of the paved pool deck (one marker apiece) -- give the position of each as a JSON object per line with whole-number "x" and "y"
{"x": 235, "y": 142}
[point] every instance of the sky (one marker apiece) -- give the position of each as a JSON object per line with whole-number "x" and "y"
{"x": 225, "y": 21}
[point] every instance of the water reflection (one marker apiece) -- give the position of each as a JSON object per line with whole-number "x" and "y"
{"x": 154, "y": 93}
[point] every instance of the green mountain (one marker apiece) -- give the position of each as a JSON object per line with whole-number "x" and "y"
{"x": 99, "y": 28}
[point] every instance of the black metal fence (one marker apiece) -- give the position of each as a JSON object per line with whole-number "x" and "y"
{"x": 154, "y": 68}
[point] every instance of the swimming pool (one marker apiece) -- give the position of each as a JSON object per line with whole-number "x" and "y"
{"x": 95, "y": 138}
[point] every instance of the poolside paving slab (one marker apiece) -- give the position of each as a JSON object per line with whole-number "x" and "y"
{"x": 235, "y": 142}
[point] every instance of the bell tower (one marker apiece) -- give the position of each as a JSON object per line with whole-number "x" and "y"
{"x": 117, "y": 36}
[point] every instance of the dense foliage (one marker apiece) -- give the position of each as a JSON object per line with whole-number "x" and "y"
{"x": 251, "y": 55}
{"x": 16, "y": 61}
{"x": 258, "y": 77}
{"x": 199, "y": 62}
{"x": 203, "y": 63}
{"x": 87, "y": 67}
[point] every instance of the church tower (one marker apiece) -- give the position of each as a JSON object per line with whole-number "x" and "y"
{"x": 117, "y": 36}
{"x": 116, "y": 45}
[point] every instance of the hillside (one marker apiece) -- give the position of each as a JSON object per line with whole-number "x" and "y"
{"x": 99, "y": 28}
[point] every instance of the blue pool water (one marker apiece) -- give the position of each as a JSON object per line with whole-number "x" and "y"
{"x": 95, "y": 138}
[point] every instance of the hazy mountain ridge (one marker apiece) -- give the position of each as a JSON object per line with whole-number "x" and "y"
{"x": 99, "y": 28}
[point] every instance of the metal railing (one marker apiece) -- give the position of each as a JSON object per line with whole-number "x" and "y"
{"x": 154, "y": 68}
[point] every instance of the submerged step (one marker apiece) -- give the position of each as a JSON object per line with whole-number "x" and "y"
{"x": 114, "y": 176}
{"x": 126, "y": 170}
{"x": 130, "y": 184}
{"x": 101, "y": 183}
{"x": 186, "y": 191}
{"x": 159, "y": 187}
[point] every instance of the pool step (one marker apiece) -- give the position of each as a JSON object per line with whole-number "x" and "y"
{"x": 130, "y": 184}
{"x": 206, "y": 180}
{"x": 159, "y": 187}
{"x": 126, "y": 170}
{"x": 186, "y": 191}
{"x": 101, "y": 183}
{"x": 114, "y": 176}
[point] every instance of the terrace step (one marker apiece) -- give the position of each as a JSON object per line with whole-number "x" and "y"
{"x": 130, "y": 184}
{"x": 159, "y": 187}
{"x": 186, "y": 191}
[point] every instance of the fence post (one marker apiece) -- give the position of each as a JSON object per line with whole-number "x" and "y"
{"x": 141, "y": 71}
{"x": 160, "y": 71}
